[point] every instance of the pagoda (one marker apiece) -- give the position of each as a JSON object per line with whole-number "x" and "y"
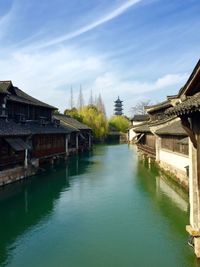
{"x": 118, "y": 107}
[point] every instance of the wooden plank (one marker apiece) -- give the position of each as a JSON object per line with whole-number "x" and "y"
{"x": 198, "y": 163}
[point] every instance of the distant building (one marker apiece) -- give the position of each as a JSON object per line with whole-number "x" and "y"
{"x": 136, "y": 121}
{"x": 118, "y": 107}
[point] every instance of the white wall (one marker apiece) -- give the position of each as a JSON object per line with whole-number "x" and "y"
{"x": 131, "y": 134}
{"x": 134, "y": 123}
{"x": 175, "y": 159}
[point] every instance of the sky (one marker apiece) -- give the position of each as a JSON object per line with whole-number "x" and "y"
{"x": 135, "y": 49}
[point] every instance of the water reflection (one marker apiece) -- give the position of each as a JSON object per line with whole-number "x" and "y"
{"x": 27, "y": 203}
{"x": 164, "y": 186}
{"x": 171, "y": 200}
{"x": 99, "y": 210}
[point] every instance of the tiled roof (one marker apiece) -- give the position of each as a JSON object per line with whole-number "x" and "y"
{"x": 190, "y": 105}
{"x": 18, "y": 95}
{"x": 11, "y": 128}
{"x": 174, "y": 128}
{"x": 67, "y": 120}
{"x": 161, "y": 105}
{"x": 50, "y": 128}
{"x": 143, "y": 128}
{"x": 4, "y": 86}
{"x": 195, "y": 73}
{"x": 140, "y": 117}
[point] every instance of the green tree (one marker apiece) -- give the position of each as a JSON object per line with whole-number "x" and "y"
{"x": 120, "y": 123}
{"x": 56, "y": 112}
{"x": 96, "y": 120}
{"x": 74, "y": 113}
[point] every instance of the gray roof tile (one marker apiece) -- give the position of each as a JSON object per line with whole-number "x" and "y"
{"x": 174, "y": 128}
{"x": 71, "y": 122}
{"x": 143, "y": 128}
{"x": 190, "y": 105}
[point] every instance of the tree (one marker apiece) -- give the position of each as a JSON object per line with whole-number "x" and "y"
{"x": 100, "y": 105}
{"x": 56, "y": 112}
{"x": 80, "y": 103}
{"x": 92, "y": 115}
{"x": 73, "y": 113}
{"x": 96, "y": 120}
{"x": 71, "y": 98}
{"x": 119, "y": 123}
{"x": 91, "y": 100}
{"x": 139, "y": 108}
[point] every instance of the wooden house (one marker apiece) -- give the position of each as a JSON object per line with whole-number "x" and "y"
{"x": 187, "y": 108}
{"x": 145, "y": 140}
{"x": 28, "y": 133}
{"x": 164, "y": 139}
{"x": 81, "y": 139}
{"x": 136, "y": 121}
{"x": 172, "y": 152}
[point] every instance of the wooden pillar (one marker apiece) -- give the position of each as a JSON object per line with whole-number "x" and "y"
{"x": 77, "y": 144}
{"x": 66, "y": 146}
{"x": 194, "y": 183}
{"x": 197, "y": 192}
{"x": 26, "y": 158}
{"x": 193, "y": 198}
{"x": 90, "y": 142}
{"x": 158, "y": 147}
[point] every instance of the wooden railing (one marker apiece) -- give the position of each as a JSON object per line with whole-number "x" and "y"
{"x": 48, "y": 152}
{"x": 147, "y": 150}
{"x": 11, "y": 161}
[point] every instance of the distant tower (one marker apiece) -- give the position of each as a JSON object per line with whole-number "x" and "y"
{"x": 118, "y": 107}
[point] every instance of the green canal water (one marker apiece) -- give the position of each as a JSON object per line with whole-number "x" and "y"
{"x": 103, "y": 209}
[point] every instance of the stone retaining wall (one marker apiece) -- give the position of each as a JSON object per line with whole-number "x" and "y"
{"x": 176, "y": 174}
{"x": 15, "y": 174}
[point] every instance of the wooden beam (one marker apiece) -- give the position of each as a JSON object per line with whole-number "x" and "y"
{"x": 198, "y": 164}
{"x": 186, "y": 126}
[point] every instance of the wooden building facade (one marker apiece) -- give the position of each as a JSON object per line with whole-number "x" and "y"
{"x": 29, "y": 134}
{"x": 145, "y": 140}
{"x": 187, "y": 108}
{"x": 82, "y": 137}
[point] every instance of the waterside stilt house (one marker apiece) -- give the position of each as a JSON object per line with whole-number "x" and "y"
{"x": 83, "y": 136}
{"x": 29, "y": 134}
{"x": 187, "y": 108}
{"x": 175, "y": 124}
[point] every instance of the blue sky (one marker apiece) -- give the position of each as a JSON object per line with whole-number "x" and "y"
{"x": 137, "y": 49}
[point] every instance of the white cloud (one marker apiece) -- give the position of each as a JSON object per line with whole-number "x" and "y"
{"x": 113, "y": 14}
{"x": 112, "y": 85}
{"x": 49, "y": 75}
{"x": 6, "y": 20}
{"x": 170, "y": 79}
{"x": 116, "y": 84}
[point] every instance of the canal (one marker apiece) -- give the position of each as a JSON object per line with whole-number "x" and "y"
{"x": 103, "y": 209}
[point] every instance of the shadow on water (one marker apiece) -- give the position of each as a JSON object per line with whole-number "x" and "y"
{"x": 167, "y": 196}
{"x": 169, "y": 200}
{"x": 119, "y": 212}
{"x": 25, "y": 203}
